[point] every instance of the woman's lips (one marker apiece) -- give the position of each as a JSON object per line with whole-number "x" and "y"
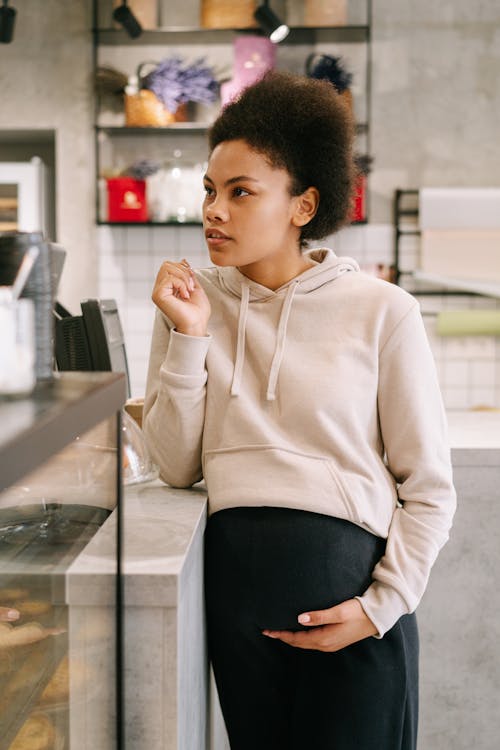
{"x": 215, "y": 238}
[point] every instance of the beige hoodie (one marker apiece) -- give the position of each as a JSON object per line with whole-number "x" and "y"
{"x": 321, "y": 396}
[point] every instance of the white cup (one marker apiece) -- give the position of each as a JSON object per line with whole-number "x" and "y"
{"x": 17, "y": 346}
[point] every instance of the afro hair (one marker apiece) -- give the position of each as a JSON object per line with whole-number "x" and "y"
{"x": 304, "y": 126}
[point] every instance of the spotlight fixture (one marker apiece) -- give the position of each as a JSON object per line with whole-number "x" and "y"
{"x": 7, "y": 19}
{"x": 124, "y": 16}
{"x": 270, "y": 23}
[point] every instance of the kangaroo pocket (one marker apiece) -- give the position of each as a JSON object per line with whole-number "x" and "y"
{"x": 269, "y": 475}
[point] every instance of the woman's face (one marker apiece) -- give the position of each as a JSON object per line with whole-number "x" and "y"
{"x": 248, "y": 212}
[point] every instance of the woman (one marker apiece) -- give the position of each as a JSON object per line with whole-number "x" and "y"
{"x": 305, "y": 393}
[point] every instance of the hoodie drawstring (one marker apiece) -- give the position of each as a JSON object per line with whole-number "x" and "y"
{"x": 240, "y": 345}
{"x": 280, "y": 342}
{"x": 327, "y": 268}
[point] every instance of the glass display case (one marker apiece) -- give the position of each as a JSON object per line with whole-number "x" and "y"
{"x": 60, "y": 590}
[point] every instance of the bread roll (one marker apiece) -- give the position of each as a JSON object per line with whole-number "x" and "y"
{"x": 12, "y": 594}
{"x": 57, "y": 689}
{"x": 33, "y": 607}
{"x": 37, "y": 733}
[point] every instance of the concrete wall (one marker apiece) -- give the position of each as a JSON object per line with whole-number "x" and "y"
{"x": 436, "y": 96}
{"x": 46, "y": 84}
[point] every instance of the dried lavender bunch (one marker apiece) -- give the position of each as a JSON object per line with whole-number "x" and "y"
{"x": 174, "y": 84}
{"x": 142, "y": 168}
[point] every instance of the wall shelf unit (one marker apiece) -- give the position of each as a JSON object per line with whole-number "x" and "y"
{"x": 189, "y": 128}
{"x": 184, "y": 35}
{"x": 117, "y": 145}
{"x": 149, "y": 224}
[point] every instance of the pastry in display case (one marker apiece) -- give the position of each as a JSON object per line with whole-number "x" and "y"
{"x": 58, "y": 595}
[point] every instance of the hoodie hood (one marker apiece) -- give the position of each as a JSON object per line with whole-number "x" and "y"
{"x": 327, "y": 267}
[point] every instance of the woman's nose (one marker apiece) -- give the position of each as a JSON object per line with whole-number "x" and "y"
{"x": 216, "y": 210}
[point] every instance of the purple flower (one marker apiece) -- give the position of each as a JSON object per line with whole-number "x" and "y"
{"x": 174, "y": 84}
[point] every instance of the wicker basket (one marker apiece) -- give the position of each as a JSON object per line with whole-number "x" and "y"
{"x": 144, "y": 109}
{"x": 325, "y": 13}
{"x": 228, "y": 14}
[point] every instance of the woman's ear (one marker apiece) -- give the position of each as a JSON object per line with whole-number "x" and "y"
{"x": 306, "y": 206}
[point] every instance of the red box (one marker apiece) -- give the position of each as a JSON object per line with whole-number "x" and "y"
{"x": 127, "y": 199}
{"x": 359, "y": 209}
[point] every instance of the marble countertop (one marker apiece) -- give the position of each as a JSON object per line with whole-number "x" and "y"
{"x": 474, "y": 429}
{"x": 160, "y": 526}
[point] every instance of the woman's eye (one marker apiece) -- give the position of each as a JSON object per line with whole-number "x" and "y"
{"x": 208, "y": 190}
{"x": 239, "y": 191}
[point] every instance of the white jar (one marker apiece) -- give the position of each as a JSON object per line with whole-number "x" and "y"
{"x": 17, "y": 346}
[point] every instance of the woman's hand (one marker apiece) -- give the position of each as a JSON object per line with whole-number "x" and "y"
{"x": 178, "y": 294}
{"x": 331, "y": 629}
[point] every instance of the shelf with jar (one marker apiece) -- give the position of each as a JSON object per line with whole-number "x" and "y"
{"x": 184, "y": 35}
{"x": 145, "y": 121}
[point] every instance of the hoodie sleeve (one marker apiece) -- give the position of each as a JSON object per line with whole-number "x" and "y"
{"x": 414, "y": 432}
{"x": 174, "y": 404}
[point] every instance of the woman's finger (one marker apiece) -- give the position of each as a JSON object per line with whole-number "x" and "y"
{"x": 334, "y": 614}
{"x": 172, "y": 282}
{"x": 318, "y": 639}
{"x": 8, "y": 614}
{"x": 177, "y": 270}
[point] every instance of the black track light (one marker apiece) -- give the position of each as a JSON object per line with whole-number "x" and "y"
{"x": 7, "y": 19}
{"x": 126, "y": 18}
{"x": 270, "y": 23}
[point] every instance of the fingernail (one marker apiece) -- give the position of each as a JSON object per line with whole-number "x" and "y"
{"x": 303, "y": 619}
{"x": 269, "y": 634}
{"x": 13, "y": 614}
{"x": 191, "y": 284}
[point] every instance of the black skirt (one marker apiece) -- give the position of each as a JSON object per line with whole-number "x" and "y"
{"x": 263, "y": 567}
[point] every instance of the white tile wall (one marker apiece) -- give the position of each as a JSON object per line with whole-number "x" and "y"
{"x": 129, "y": 257}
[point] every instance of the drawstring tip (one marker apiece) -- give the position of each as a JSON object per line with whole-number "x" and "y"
{"x": 270, "y": 396}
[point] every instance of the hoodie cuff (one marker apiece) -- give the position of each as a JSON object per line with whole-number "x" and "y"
{"x": 383, "y": 605}
{"x": 186, "y": 355}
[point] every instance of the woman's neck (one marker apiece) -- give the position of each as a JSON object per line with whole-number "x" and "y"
{"x": 274, "y": 275}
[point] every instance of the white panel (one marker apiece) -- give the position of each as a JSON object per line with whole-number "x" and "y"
{"x": 459, "y": 208}
{"x": 468, "y": 254}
